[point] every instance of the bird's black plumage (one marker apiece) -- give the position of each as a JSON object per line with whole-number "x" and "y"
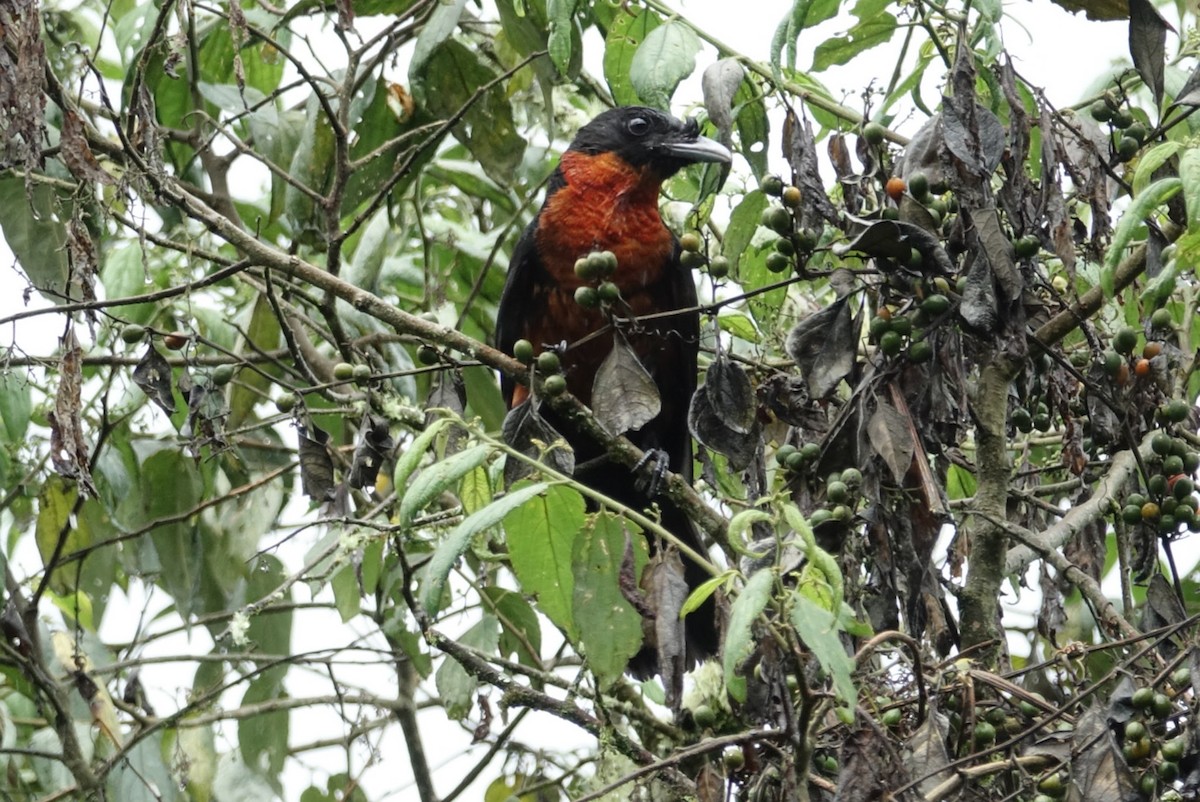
{"x": 604, "y": 196}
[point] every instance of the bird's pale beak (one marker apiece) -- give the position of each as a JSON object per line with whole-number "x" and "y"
{"x": 700, "y": 149}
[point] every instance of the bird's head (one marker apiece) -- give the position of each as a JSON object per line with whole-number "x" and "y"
{"x": 647, "y": 138}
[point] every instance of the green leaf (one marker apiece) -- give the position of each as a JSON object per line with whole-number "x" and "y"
{"x": 541, "y": 538}
{"x": 870, "y": 31}
{"x": 455, "y": 686}
{"x": 610, "y": 630}
{"x": 1189, "y": 174}
{"x": 453, "y": 546}
{"x": 561, "y": 13}
{"x": 271, "y": 631}
{"x": 1155, "y": 195}
{"x": 702, "y": 592}
{"x": 407, "y": 464}
{"x": 56, "y": 502}
{"x": 960, "y": 483}
{"x": 16, "y": 406}
{"x": 743, "y": 222}
{"x": 311, "y": 166}
{"x": 739, "y": 641}
{"x": 666, "y": 57}
{"x": 818, "y": 628}
{"x": 629, "y": 29}
{"x": 33, "y": 228}
{"x": 169, "y": 485}
{"x": 449, "y": 81}
{"x": 520, "y": 627}
{"x": 1150, "y": 161}
{"x": 752, "y": 125}
{"x": 124, "y": 276}
{"x": 141, "y": 775}
{"x": 347, "y": 597}
{"x": 738, "y": 325}
{"x": 475, "y": 491}
{"x": 263, "y": 737}
{"x": 436, "y": 30}
{"x": 262, "y": 336}
{"x": 435, "y": 479}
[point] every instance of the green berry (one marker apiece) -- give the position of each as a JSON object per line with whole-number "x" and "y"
{"x": 918, "y": 185}
{"x": 1127, "y": 148}
{"x": 891, "y": 343}
{"x": 690, "y": 242}
{"x": 984, "y": 734}
{"x": 772, "y": 185}
{"x": 778, "y": 219}
{"x": 852, "y": 478}
{"x": 285, "y": 403}
{"x": 555, "y": 384}
{"x": 810, "y": 451}
{"x": 1142, "y": 698}
{"x": 935, "y": 305}
{"x": 587, "y": 269}
{"x": 778, "y": 263}
{"x": 718, "y": 267}
{"x": 344, "y": 370}
{"x": 920, "y": 351}
{"x": 362, "y": 372}
{"x": 133, "y": 334}
{"x": 523, "y": 350}
{"x": 1162, "y": 319}
{"x": 837, "y": 492}
{"x": 1100, "y": 111}
{"x": 548, "y": 362}
{"x": 587, "y": 297}
{"x": 1125, "y": 340}
{"x": 609, "y": 292}
{"x": 791, "y": 197}
{"x": 426, "y": 355}
{"x": 874, "y": 133}
{"x": 222, "y": 375}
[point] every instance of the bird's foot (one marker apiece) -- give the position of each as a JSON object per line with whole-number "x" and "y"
{"x": 656, "y": 463}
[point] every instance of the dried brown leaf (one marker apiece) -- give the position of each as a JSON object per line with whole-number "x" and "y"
{"x": 624, "y": 395}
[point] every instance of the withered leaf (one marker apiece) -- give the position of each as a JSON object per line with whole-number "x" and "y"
{"x": 870, "y": 770}
{"x": 666, "y": 590}
{"x": 891, "y": 438}
{"x": 720, "y": 83}
{"x": 374, "y": 444}
{"x": 730, "y": 393}
{"x": 824, "y": 346}
{"x": 1099, "y": 770}
{"x": 153, "y": 375}
{"x": 979, "y": 309}
{"x": 999, "y": 253}
{"x": 624, "y": 395}
{"x": 68, "y": 449}
{"x": 1051, "y": 615}
{"x": 1147, "y": 44}
{"x": 800, "y": 150}
{"x": 926, "y": 752}
{"x": 528, "y": 432}
{"x": 207, "y": 411}
{"x": 627, "y": 580}
{"x": 893, "y": 239}
{"x": 708, "y": 426}
{"x": 1162, "y": 609}
{"x": 710, "y": 785}
{"x": 77, "y": 154}
{"x": 979, "y": 142}
{"x": 316, "y": 466}
{"x": 1189, "y": 95}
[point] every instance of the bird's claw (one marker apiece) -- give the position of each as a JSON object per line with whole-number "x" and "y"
{"x": 657, "y": 462}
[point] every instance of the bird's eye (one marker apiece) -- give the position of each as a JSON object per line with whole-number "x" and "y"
{"x": 638, "y": 126}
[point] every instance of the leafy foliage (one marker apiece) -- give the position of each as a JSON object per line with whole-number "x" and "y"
{"x": 944, "y": 373}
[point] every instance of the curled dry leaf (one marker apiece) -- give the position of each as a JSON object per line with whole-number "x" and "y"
{"x": 624, "y": 395}
{"x": 529, "y": 433}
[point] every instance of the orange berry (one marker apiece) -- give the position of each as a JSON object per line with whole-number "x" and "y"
{"x": 175, "y": 340}
{"x": 1149, "y": 511}
{"x": 1152, "y": 349}
{"x": 1142, "y": 368}
{"x": 895, "y": 188}
{"x": 1122, "y": 376}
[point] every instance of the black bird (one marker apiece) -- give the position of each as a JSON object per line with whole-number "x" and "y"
{"x": 604, "y": 197}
